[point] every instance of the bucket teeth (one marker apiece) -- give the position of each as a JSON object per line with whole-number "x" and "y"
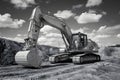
{"x": 53, "y": 59}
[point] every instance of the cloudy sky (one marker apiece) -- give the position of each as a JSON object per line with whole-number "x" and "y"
{"x": 100, "y": 19}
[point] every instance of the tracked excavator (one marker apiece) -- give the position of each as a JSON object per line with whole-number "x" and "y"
{"x": 79, "y": 48}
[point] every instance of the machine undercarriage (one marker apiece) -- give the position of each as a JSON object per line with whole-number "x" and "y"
{"x": 77, "y": 57}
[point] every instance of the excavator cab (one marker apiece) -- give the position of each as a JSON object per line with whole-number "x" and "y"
{"x": 79, "y": 41}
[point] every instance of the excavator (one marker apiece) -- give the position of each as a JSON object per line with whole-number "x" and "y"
{"x": 79, "y": 48}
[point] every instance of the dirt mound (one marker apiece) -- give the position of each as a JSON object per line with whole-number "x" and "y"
{"x": 109, "y": 52}
{"x": 9, "y": 48}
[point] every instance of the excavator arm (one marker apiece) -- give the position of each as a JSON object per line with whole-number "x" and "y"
{"x": 38, "y": 20}
{"x": 34, "y": 28}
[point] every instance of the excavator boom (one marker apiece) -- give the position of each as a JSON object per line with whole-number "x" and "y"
{"x": 38, "y": 20}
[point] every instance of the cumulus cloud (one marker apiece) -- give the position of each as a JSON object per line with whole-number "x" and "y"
{"x": 65, "y": 14}
{"x": 55, "y": 35}
{"x": 77, "y": 6}
{"x": 22, "y": 3}
{"x": 51, "y": 36}
{"x": 118, "y": 35}
{"x": 92, "y": 11}
{"x": 17, "y": 39}
{"x": 88, "y": 18}
{"x": 101, "y": 36}
{"x": 106, "y": 35}
{"x": 95, "y": 35}
{"x": 105, "y": 31}
{"x": 109, "y": 30}
{"x": 7, "y": 21}
{"x": 51, "y": 40}
{"x": 104, "y": 13}
{"x": 96, "y": 12}
{"x": 19, "y": 35}
{"x": 91, "y": 3}
{"x": 100, "y": 39}
{"x": 102, "y": 28}
{"x": 47, "y": 29}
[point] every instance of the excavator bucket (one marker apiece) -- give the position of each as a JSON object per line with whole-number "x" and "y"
{"x": 30, "y": 58}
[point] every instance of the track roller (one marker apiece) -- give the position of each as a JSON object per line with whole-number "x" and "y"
{"x": 53, "y": 59}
